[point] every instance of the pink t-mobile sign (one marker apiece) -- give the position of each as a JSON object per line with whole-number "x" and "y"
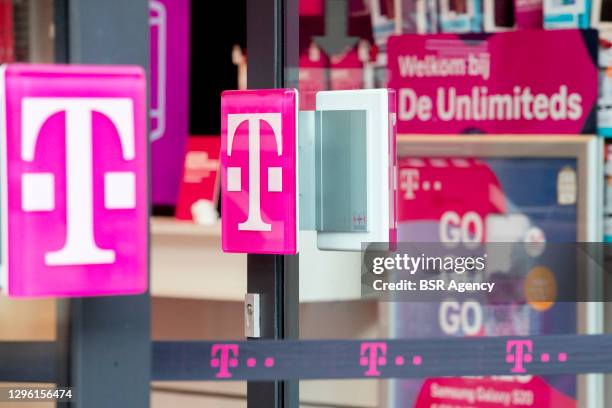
{"x": 74, "y": 180}
{"x": 259, "y": 171}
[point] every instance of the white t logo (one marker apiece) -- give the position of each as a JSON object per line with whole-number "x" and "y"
{"x": 38, "y": 189}
{"x": 254, "y": 221}
{"x": 409, "y": 182}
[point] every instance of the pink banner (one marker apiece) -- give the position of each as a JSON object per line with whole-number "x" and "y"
{"x": 512, "y": 82}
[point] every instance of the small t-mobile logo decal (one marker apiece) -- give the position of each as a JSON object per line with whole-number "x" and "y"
{"x": 225, "y": 357}
{"x": 254, "y": 221}
{"x": 409, "y": 182}
{"x": 520, "y": 352}
{"x": 374, "y": 355}
{"x": 38, "y": 188}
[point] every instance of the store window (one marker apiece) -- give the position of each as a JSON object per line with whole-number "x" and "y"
{"x": 495, "y": 157}
{"x": 454, "y": 192}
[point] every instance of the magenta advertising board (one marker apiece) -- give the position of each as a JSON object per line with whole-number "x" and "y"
{"x": 528, "y": 81}
{"x": 169, "y": 21}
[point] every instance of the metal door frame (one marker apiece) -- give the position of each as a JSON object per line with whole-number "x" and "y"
{"x": 272, "y": 47}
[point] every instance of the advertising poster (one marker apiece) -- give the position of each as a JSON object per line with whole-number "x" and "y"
{"x": 169, "y": 95}
{"x": 200, "y": 186}
{"x": 492, "y": 83}
{"x": 515, "y": 200}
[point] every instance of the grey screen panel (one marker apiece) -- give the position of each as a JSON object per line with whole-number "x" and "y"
{"x": 307, "y": 172}
{"x": 342, "y": 179}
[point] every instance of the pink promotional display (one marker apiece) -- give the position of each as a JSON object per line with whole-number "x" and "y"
{"x": 492, "y": 83}
{"x": 200, "y": 186}
{"x": 169, "y": 110}
{"x": 259, "y": 171}
{"x": 514, "y": 200}
{"x": 74, "y": 180}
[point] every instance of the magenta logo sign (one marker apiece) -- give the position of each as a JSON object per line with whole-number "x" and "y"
{"x": 259, "y": 171}
{"x": 74, "y": 195}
